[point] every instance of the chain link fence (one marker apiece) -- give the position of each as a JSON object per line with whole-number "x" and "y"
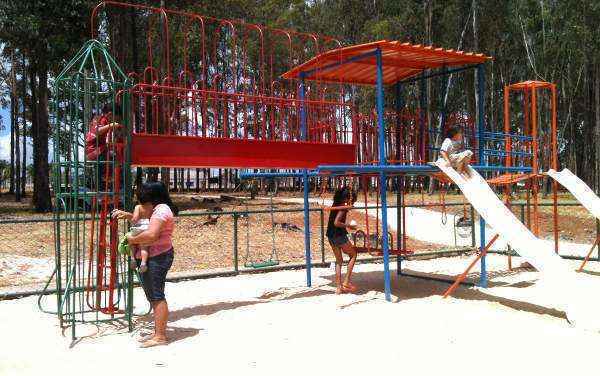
{"x": 231, "y": 241}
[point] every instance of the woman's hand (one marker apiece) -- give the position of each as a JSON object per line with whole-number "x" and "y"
{"x": 128, "y": 236}
{"x": 121, "y": 214}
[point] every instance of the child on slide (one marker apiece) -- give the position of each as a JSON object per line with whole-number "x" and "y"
{"x": 453, "y": 151}
{"x": 337, "y": 234}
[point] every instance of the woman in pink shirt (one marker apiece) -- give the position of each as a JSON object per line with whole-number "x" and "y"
{"x": 154, "y": 198}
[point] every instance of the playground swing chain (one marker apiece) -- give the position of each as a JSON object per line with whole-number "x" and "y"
{"x": 273, "y": 259}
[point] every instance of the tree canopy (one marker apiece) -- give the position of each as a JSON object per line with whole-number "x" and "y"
{"x": 555, "y": 41}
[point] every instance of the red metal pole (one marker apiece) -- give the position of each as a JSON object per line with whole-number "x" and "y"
{"x": 464, "y": 274}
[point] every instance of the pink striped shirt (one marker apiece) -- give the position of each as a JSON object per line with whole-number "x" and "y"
{"x": 164, "y": 243}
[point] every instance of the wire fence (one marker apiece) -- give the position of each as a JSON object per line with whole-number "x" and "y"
{"x": 232, "y": 241}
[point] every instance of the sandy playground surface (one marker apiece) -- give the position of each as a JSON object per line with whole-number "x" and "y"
{"x": 272, "y": 324}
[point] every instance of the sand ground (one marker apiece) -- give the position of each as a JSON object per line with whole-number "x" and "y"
{"x": 272, "y": 324}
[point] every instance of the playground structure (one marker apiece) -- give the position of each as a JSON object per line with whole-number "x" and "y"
{"x": 217, "y": 104}
{"x": 219, "y": 101}
{"x": 91, "y": 277}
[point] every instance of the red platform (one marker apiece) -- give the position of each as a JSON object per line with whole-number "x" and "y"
{"x": 180, "y": 151}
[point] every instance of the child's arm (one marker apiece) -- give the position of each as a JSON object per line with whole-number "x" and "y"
{"x": 445, "y": 156}
{"x": 121, "y": 214}
{"x": 136, "y": 214}
{"x": 338, "y": 221}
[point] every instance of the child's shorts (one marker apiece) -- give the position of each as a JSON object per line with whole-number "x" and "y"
{"x": 458, "y": 158}
{"x": 338, "y": 240}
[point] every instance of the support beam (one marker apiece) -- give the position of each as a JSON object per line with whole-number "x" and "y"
{"x": 464, "y": 274}
{"x": 382, "y": 178}
{"x": 483, "y": 280}
{"x": 304, "y": 135}
{"x": 437, "y": 74}
{"x": 399, "y": 179}
{"x": 406, "y": 169}
{"x": 274, "y": 175}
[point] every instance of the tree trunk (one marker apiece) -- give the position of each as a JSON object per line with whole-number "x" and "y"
{"x": 13, "y": 123}
{"x": 165, "y": 176}
{"x": 41, "y": 187}
{"x": 14, "y": 95}
{"x": 475, "y": 48}
{"x": 597, "y": 128}
{"x": 33, "y": 107}
{"x": 24, "y": 148}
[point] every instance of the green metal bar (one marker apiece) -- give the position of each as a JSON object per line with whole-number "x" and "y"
{"x": 322, "y": 221}
{"x": 236, "y": 261}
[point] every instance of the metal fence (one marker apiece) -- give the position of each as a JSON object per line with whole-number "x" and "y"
{"x": 219, "y": 241}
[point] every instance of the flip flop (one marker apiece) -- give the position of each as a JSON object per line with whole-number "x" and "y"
{"x": 153, "y": 343}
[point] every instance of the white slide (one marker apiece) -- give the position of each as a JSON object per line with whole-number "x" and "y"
{"x": 581, "y": 191}
{"x": 570, "y": 289}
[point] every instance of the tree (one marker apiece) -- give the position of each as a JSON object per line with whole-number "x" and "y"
{"x": 47, "y": 33}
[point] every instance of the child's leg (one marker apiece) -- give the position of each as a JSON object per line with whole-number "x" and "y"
{"x": 144, "y": 259}
{"x": 350, "y": 251}
{"x": 338, "y": 268}
{"x": 467, "y": 162}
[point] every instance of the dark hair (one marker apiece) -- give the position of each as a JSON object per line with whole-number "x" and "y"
{"x": 341, "y": 196}
{"x": 156, "y": 193}
{"x": 108, "y": 107}
{"x": 453, "y": 130}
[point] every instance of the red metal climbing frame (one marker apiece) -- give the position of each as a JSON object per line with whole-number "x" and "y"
{"x": 209, "y": 93}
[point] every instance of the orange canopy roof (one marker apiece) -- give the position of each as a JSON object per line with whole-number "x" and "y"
{"x": 530, "y": 85}
{"x": 400, "y": 61}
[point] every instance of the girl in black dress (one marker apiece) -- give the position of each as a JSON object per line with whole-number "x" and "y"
{"x": 337, "y": 234}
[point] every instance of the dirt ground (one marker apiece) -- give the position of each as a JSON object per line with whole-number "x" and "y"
{"x": 201, "y": 242}
{"x": 27, "y": 249}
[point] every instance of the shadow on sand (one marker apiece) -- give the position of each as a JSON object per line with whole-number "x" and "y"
{"x": 403, "y": 287}
{"x": 406, "y": 288}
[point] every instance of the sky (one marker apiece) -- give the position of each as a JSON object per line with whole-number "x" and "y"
{"x": 5, "y": 135}
{"x": 5, "y": 139}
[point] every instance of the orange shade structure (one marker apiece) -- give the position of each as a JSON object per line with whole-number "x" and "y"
{"x": 357, "y": 64}
{"x": 530, "y": 85}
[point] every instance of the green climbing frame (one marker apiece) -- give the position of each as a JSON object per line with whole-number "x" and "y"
{"x": 93, "y": 281}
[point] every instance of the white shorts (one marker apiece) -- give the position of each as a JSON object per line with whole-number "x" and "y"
{"x": 458, "y": 158}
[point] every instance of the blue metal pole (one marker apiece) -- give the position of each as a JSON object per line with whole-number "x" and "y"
{"x": 382, "y": 178}
{"x": 483, "y": 278}
{"x": 408, "y": 169}
{"x": 422, "y": 104}
{"x": 399, "y": 179}
{"x": 304, "y": 136}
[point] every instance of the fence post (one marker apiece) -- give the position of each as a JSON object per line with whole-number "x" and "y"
{"x": 598, "y": 234}
{"x": 322, "y": 235}
{"x": 235, "y": 243}
{"x": 473, "y": 240}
